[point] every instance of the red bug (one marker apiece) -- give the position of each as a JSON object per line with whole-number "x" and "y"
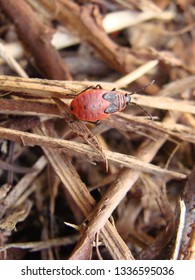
{"x": 94, "y": 104}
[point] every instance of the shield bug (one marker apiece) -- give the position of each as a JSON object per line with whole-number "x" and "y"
{"x": 95, "y": 104}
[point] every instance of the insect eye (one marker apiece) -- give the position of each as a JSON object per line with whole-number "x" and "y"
{"x": 127, "y": 98}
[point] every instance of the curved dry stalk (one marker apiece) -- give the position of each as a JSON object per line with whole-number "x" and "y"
{"x": 84, "y": 151}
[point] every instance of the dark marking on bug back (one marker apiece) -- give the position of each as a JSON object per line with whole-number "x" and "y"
{"x": 110, "y": 96}
{"x": 112, "y": 108}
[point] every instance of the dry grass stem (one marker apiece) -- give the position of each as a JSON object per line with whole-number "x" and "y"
{"x": 83, "y": 150}
{"x": 61, "y": 89}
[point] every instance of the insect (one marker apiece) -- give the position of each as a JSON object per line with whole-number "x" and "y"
{"x": 95, "y": 104}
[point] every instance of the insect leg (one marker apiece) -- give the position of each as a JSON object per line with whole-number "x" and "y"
{"x": 90, "y": 87}
{"x": 97, "y": 86}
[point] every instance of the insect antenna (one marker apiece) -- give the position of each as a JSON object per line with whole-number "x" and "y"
{"x": 141, "y": 89}
{"x": 137, "y": 91}
{"x": 145, "y": 111}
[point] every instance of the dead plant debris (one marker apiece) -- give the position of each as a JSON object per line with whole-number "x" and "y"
{"x": 119, "y": 189}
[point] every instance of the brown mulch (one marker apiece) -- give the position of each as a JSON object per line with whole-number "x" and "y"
{"x": 119, "y": 189}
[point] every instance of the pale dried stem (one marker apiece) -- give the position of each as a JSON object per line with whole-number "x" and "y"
{"x": 12, "y": 62}
{"x": 165, "y": 103}
{"x": 61, "y": 89}
{"x": 134, "y": 75}
{"x": 84, "y": 151}
{"x": 40, "y": 245}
